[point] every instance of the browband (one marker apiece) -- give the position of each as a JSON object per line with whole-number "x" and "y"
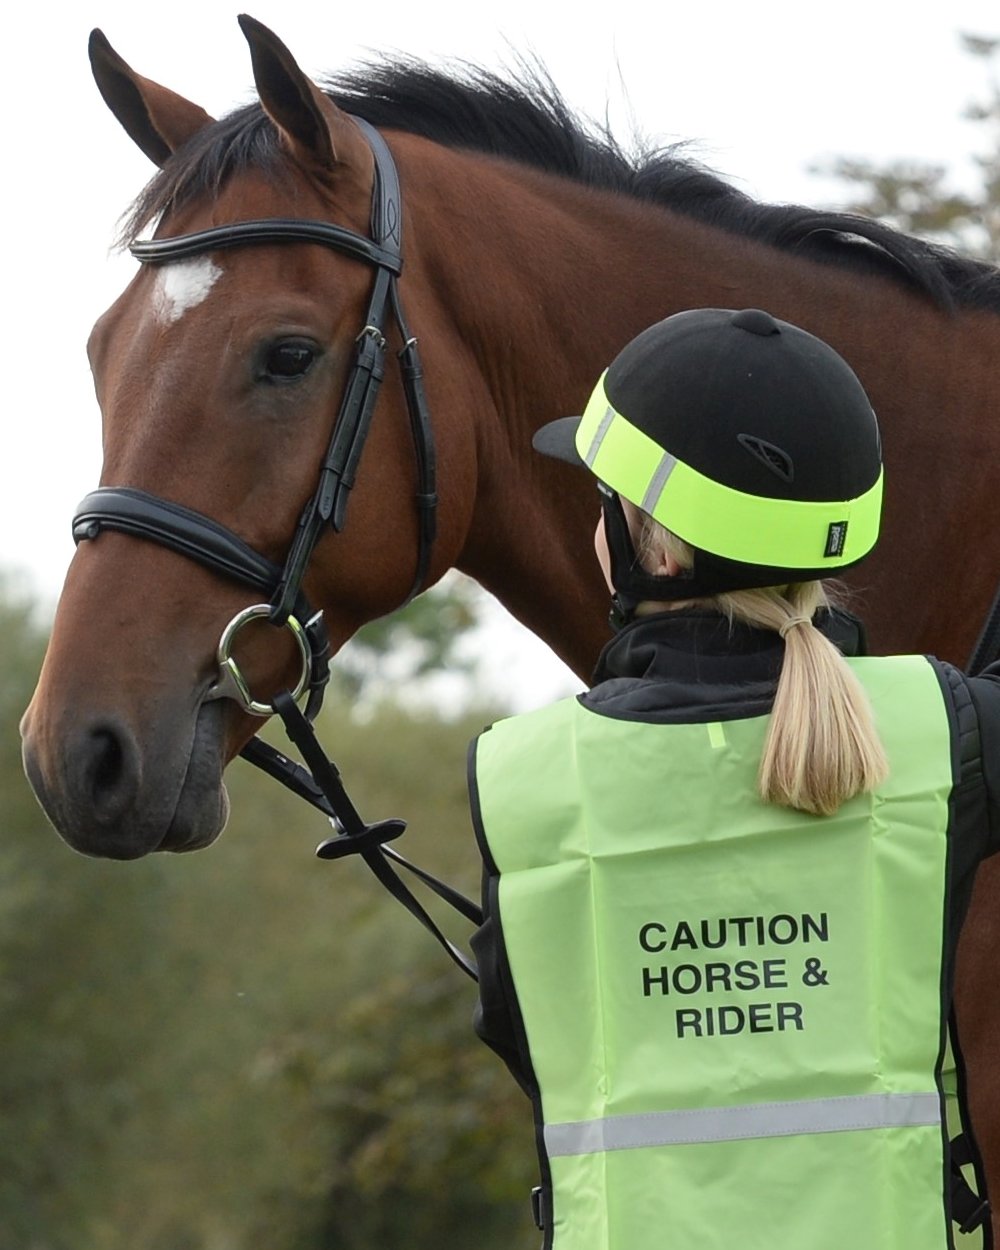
{"x": 270, "y": 230}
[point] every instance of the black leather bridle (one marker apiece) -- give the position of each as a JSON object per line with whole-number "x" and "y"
{"x": 200, "y": 538}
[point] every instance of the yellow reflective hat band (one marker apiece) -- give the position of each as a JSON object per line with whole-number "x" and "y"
{"x": 752, "y": 529}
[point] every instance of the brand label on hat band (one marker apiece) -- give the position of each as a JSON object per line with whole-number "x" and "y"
{"x": 836, "y": 539}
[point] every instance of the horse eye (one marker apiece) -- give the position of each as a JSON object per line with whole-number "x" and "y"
{"x": 289, "y": 359}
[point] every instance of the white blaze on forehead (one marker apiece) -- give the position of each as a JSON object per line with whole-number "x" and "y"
{"x": 183, "y": 285}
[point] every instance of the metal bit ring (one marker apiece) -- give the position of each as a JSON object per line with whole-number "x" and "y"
{"x": 231, "y": 683}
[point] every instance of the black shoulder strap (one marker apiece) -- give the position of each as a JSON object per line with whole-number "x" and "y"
{"x": 970, "y": 1205}
{"x": 987, "y": 648}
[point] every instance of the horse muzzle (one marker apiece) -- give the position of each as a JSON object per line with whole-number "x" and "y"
{"x": 112, "y": 793}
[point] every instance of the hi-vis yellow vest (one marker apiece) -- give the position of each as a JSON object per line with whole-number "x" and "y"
{"x": 735, "y": 1013}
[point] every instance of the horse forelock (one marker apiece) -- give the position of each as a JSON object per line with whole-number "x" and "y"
{"x": 523, "y": 117}
{"x": 242, "y": 141}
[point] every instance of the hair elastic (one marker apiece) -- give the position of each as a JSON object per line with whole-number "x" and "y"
{"x": 792, "y": 621}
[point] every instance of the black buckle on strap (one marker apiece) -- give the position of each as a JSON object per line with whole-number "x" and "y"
{"x": 968, "y": 1210}
{"x": 540, "y": 1207}
{"x": 978, "y": 1217}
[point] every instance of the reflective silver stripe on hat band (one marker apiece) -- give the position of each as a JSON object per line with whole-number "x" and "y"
{"x": 769, "y": 1119}
{"x": 598, "y": 439}
{"x": 657, "y": 482}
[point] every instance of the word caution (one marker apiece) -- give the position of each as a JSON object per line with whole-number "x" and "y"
{"x": 718, "y": 983}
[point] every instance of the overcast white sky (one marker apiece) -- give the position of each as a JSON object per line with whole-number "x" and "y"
{"x": 763, "y": 90}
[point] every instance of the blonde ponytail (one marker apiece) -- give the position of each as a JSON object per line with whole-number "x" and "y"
{"x": 822, "y": 747}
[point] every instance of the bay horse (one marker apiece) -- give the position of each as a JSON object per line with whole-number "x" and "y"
{"x": 534, "y": 249}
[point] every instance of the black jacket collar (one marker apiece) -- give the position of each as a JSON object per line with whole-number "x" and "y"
{"x": 693, "y": 663}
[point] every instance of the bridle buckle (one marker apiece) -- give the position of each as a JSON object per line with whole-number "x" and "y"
{"x": 373, "y": 333}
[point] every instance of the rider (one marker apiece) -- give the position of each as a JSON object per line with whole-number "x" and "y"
{"x": 724, "y": 887}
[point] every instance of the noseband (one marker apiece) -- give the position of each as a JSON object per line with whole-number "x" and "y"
{"x": 206, "y": 541}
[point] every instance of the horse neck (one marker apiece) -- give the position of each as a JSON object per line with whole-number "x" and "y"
{"x": 538, "y": 283}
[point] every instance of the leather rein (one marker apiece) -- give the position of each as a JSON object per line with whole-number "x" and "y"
{"x": 204, "y": 540}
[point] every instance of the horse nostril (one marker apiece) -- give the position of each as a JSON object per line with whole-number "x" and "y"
{"x": 106, "y": 760}
{"x": 110, "y": 770}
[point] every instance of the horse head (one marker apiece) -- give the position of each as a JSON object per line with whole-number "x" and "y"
{"x": 219, "y": 373}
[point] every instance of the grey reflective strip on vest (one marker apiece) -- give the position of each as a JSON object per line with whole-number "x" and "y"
{"x": 598, "y": 439}
{"x": 657, "y": 482}
{"x": 769, "y": 1119}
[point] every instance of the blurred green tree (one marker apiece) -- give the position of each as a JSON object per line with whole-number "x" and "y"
{"x": 244, "y": 1046}
{"x": 424, "y": 637}
{"x": 916, "y": 196}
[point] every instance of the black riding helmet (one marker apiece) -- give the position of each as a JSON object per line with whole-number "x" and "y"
{"x": 745, "y": 436}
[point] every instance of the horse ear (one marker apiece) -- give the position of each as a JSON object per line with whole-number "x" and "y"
{"x": 309, "y": 122}
{"x": 156, "y": 119}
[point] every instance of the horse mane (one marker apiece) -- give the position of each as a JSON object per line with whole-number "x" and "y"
{"x": 525, "y": 118}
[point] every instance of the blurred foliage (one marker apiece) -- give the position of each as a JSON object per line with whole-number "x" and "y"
{"x": 916, "y": 197}
{"x": 419, "y": 639}
{"x": 245, "y": 1046}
